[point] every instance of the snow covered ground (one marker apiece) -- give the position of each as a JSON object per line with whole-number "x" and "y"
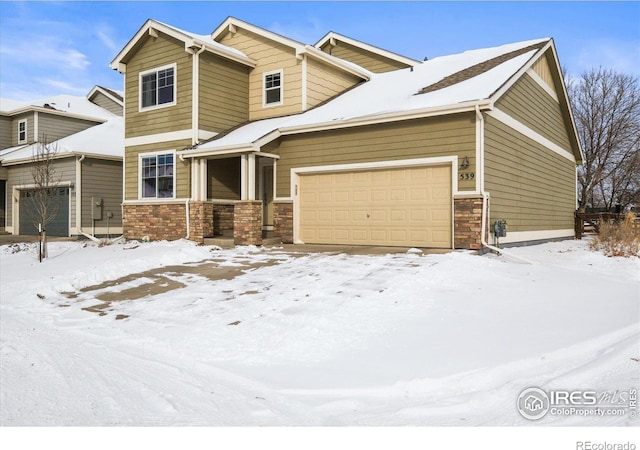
{"x": 289, "y": 338}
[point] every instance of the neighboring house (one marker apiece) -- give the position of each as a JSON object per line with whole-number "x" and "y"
{"x": 248, "y": 133}
{"x": 86, "y": 134}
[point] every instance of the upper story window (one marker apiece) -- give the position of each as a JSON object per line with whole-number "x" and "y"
{"x": 272, "y": 95}
{"x": 22, "y": 131}
{"x": 158, "y": 87}
{"x": 157, "y": 175}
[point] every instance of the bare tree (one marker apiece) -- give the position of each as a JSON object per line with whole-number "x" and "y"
{"x": 43, "y": 202}
{"x": 606, "y": 108}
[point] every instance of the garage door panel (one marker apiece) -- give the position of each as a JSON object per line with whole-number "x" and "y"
{"x": 402, "y": 206}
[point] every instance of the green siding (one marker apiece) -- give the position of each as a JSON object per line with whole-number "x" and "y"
{"x": 224, "y": 179}
{"x": 325, "y": 82}
{"x": 371, "y": 61}
{"x": 158, "y": 52}
{"x": 270, "y": 56}
{"x": 224, "y": 93}
{"x": 530, "y": 104}
{"x": 421, "y": 138}
{"x": 102, "y": 179}
{"x": 183, "y": 170}
{"x": 529, "y": 185}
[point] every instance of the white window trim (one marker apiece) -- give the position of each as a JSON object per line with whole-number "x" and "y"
{"x": 26, "y": 131}
{"x": 264, "y": 88}
{"x": 140, "y": 185}
{"x": 175, "y": 87}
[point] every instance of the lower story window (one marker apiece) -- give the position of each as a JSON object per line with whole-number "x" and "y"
{"x": 157, "y": 174}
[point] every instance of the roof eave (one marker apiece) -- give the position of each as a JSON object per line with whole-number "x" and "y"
{"x": 151, "y": 27}
{"x": 337, "y": 62}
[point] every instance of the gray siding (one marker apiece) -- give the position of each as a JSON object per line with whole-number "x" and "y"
{"x": 101, "y": 179}
{"x": 6, "y": 127}
{"x": 21, "y": 175}
{"x": 529, "y": 185}
{"x": 105, "y": 102}
{"x": 30, "y": 128}
{"x": 57, "y": 127}
{"x": 422, "y": 138}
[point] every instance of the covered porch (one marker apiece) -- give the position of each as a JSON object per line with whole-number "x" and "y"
{"x": 232, "y": 195}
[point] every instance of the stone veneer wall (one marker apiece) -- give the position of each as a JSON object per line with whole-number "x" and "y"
{"x": 468, "y": 222}
{"x": 157, "y": 221}
{"x": 200, "y": 221}
{"x": 283, "y": 221}
{"x": 223, "y": 220}
{"x": 247, "y": 222}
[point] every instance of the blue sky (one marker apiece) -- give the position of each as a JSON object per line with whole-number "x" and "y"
{"x": 49, "y": 48}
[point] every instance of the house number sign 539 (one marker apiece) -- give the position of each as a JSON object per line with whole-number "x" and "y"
{"x": 467, "y": 176}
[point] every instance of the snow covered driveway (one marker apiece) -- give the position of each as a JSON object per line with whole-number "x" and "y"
{"x": 292, "y": 338}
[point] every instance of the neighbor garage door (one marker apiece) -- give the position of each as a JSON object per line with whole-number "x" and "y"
{"x": 397, "y": 207}
{"x": 59, "y": 226}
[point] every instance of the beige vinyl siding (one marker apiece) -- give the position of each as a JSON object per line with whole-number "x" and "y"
{"x": 101, "y": 179}
{"x": 65, "y": 172}
{"x": 530, "y": 186}
{"x": 270, "y": 56}
{"x": 371, "y": 61}
{"x": 530, "y": 104}
{"x": 420, "y": 138}
{"x": 105, "y": 102}
{"x": 29, "y": 117}
{"x": 6, "y": 129}
{"x": 224, "y": 93}
{"x": 224, "y": 179}
{"x": 55, "y": 127}
{"x": 542, "y": 68}
{"x": 325, "y": 82}
{"x": 183, "y": 171}
{"x": 153, "y": 53}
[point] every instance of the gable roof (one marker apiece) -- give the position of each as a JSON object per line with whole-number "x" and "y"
{"x": 104, "y": 141}
{"x": 116, "y": 96}
{"x": 231, "y": 24}
{"x": 191, "y": 40}
{"x": 333, "y": 36}
{"x": 398, "y": 95}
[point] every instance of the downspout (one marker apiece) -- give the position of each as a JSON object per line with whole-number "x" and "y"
{"x": 195, "y": 94}
{"x": 485, "y": 197}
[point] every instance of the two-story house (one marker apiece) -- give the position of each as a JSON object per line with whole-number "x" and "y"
{"x": 246, "y": 132}
{"x": 86, "y": 136}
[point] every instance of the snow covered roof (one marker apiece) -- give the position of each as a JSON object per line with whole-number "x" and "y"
{"x": 190, "y": 40}
{"x": 105, "y": 140}
{"x": 77, "y": 106}
{"x": 467, "y": 78}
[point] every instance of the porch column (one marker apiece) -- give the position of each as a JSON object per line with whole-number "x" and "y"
{"x": 203, "y": 179}
{"x": 243, "y": 177}
{"x": 251, "y": 176}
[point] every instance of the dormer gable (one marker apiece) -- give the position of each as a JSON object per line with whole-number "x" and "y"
{"x": 370, "y": 57}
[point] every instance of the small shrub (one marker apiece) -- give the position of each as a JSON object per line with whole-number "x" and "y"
{"x": 618, "y": 239}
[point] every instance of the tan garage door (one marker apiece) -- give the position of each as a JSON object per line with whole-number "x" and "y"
{"x": 398, "y": 207}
